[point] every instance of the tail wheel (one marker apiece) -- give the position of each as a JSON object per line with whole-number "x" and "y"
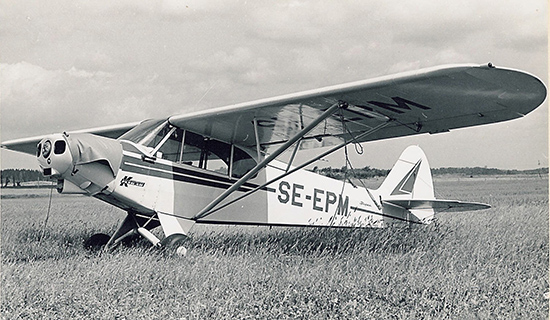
{"x": 96, "y": 242}
{"x": 175, "y": 244}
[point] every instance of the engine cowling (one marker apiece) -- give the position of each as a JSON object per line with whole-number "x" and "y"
{"x": 54, "y": 156}
{"x": 84, "y": 162}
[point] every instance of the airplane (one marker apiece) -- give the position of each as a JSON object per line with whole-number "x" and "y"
{"x": 223, "y": 166}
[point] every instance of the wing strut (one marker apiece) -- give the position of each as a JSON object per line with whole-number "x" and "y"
{"x": 271, "y": 157}
{"x": 293, "y": 155}
{"x": 303, "y": 165}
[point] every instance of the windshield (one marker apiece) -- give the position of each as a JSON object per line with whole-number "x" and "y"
{"x": 142, "y": 130}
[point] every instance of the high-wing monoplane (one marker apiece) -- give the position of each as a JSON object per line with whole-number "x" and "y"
{"x": 223, "y": 165}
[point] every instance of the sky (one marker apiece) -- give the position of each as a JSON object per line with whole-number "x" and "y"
{"x": 71, "y": 64}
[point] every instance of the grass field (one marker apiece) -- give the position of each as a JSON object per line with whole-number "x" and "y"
{"x": 475, "y": 265}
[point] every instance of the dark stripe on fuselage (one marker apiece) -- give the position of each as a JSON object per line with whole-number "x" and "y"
{"x": 177, "y": 173}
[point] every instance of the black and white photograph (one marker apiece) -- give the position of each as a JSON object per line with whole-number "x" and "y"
{"x": 186, "y": 159}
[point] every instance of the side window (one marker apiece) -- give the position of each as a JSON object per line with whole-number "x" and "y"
{"x": 206, "y": 153}
{"x": 217, "y": 155}
{"x": 171, "y": 149}
{"x": 242, "y": 163}
{"x": 198, "y": 151}
{"x": 192, "y": 150}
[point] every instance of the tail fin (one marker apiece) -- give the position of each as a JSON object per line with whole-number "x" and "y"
{"x": 407, "y": 193}
{"x": 410, "y": 178}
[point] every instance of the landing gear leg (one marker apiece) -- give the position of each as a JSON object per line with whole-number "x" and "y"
{"x": 131, "y": 227}
{"x": 126, "y": 228}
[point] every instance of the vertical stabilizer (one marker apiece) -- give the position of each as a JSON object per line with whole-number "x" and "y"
{"x": 409, "y": 179}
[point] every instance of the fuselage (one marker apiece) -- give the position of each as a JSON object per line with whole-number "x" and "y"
{"x": 303, "y": 198}
{"x": 128, "y": 175}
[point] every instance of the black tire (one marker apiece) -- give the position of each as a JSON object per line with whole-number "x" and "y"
{"x": 175, "y": 244}
{"x": 96, "y": 242}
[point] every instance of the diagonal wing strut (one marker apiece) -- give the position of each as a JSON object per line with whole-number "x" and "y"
{"x": 205, "y": 211}
{"x": 303, "y": 165}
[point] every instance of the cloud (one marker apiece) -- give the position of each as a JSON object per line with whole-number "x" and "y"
{"x": 35, "y": 99}
{"x": 189, "y": 7}
{"x": 33, "y": 96}
{"x": 23, "y": 78}
{"x": 241, "y": 64}
{"x": 167, "y": 8}
{"x": 461, "y": 24}
{"x": 287, "y": 21}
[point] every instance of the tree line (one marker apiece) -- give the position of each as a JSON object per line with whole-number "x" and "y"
{"x": 344, "y": 172}
{"x": 368, "y": 172}
{"x": 14, "y": 177}
{"x": 480, "y": 171}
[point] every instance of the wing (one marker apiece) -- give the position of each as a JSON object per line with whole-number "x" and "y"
{"x": 426, "y": 101}
{"x": 28, "y": 145}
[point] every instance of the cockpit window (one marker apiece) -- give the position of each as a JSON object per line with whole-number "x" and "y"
{"x": 215, "y": 155}
{"x": 171, "y": 138}
{"x": 186, "y": 147}
{"x": 206, "y": 153}
{"x": 242, "y": 163}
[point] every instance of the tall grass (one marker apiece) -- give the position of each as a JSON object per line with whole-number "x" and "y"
{"x": 485, "y": 264}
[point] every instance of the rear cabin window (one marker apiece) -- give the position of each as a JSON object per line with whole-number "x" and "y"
{"x": 185, "y": 147}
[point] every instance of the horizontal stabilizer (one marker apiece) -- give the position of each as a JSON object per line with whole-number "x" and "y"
{"x": 438, "y": 205}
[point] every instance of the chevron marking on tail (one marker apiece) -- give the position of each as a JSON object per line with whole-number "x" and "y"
{"x": 407, "y": 183}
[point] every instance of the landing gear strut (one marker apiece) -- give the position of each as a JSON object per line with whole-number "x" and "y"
{"x": 134, "y": 226}
{"x": 126, "y": 233}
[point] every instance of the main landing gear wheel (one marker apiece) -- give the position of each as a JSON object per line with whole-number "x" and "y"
{"x": 96, "y": 242}
{"x": 175, "y": 244}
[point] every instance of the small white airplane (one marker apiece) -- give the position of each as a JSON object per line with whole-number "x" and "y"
{"x": 221, "y": 165}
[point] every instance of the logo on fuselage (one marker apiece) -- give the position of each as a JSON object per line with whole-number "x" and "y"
{"x": 128, "y": 181}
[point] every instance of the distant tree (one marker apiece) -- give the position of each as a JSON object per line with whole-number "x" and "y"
{"x": 18, "y": 176}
